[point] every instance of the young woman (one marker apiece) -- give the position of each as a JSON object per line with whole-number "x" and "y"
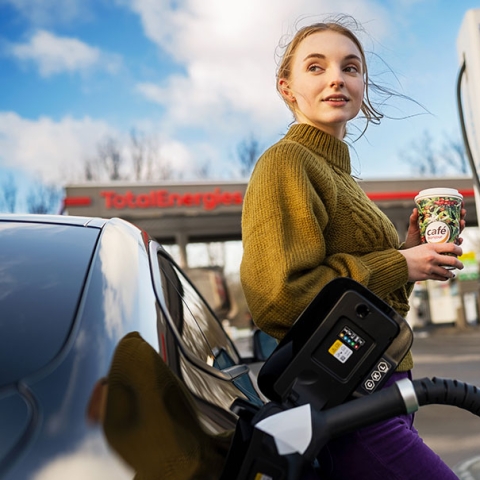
{"x": 306, "y": 221}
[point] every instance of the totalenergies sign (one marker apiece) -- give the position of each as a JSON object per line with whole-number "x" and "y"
{"x": 163, "y": 198}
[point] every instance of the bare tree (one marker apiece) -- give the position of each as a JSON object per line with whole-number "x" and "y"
{"x": 141, "y": 155}
{"x": 427, "y": 160}
{"x": 147, "y": 160}
{"x": 91, "y": 170}
{"x": 455, "y": 157}
{"x": 164, "y": 169}
{"x": 106, "y": 163}
{"x": 421, "y": 156}
{"x": 9, "y": 193}
{"x": 141, "y": 159}
{"x": 204, "y": 171}
{"x": 248, "y": 151}
{"x": 110, "y": 157}
{"x": 43, "y": 198}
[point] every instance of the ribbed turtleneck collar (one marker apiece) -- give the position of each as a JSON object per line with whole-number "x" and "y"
{"x": 323, "y": 144}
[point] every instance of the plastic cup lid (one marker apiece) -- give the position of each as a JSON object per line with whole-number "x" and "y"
{"x": 439, "y": 192}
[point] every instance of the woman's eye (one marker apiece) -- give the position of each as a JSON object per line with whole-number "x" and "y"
{"x": 352, "y": 69}
{"x": 314, "y": 68}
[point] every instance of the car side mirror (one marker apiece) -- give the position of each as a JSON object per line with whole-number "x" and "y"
{"x": 263, "y": 345}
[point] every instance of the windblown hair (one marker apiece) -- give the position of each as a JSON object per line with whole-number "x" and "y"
{"x": 371, "y": 114}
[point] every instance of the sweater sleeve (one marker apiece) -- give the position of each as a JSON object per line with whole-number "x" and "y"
{"x": 286, "y": 261}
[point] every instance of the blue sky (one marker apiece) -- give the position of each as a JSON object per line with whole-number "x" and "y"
{"x": 198, "y": 76}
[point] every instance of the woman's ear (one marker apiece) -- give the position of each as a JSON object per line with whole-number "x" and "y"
{"x": 285, "y": 90}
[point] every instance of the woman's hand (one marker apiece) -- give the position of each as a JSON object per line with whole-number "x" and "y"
{"x": 413, "y": 233}
{"x": 428, "y": 261}
{"x": 463, "y": 223}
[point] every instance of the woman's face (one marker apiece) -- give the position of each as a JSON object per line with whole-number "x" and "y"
{"x": 326, "y": 85}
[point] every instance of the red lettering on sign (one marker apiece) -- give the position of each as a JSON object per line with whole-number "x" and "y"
{"x": 187, "y": 200}
{"x": 108, "y": 198}
{"x": 165, "y": 199}
{"x": 161, "y": 198}
{"x": 119, "y": 201}
{"x": 198, "y": 198}
{"x": 143, "y": 200}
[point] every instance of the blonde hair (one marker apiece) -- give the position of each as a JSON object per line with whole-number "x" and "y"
{"x": 370, "y": 113}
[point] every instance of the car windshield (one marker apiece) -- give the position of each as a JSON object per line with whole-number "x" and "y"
{"x": 42, "y": 272}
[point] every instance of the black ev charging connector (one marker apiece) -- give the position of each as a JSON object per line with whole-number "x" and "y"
{"x": 345, "y": 344}
{"x": 333, "y": 361}
{"x": 261, "y": 458}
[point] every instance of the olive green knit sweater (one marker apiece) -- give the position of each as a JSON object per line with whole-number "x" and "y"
{"x": 306, "y": 221}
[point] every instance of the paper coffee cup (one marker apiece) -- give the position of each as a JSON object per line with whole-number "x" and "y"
{"x": 439, "y": 214}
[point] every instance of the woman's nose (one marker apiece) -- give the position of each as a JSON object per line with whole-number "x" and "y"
{"x": 336, "y": 79}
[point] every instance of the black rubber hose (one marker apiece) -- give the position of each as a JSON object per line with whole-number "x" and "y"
{"x": 444, "y": 391}
{"x": 386, "y": 403}
{"x": 351, "y": 416}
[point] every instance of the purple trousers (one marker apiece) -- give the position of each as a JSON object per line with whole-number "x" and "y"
{"x": 390, "y": 450}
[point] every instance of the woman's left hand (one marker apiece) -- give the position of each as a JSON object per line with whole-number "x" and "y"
{"x": 413, "y": 233}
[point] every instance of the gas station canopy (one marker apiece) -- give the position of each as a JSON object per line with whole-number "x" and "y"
{"x": 211, "y": 211}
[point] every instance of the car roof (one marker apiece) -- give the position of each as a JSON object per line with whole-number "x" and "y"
{"x": 55, "y": 219}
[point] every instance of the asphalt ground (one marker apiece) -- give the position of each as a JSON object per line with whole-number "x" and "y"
{"x": 453, "y": 433}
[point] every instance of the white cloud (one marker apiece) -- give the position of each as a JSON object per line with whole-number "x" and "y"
{"x": 54, "y": 54}
{"x": 55, "y": 151}
{"x": 152, "y": 91}
{"x": 228, "y": 51}
{"x": 181, "y": 156}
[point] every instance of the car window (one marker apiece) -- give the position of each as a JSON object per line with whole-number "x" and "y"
{"x": 42, "y": 271}
{"x": 200, "y": 329}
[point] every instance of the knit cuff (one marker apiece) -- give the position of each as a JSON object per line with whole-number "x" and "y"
{"x": 388, "y": 271}
{"x": 406, "y": 364}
